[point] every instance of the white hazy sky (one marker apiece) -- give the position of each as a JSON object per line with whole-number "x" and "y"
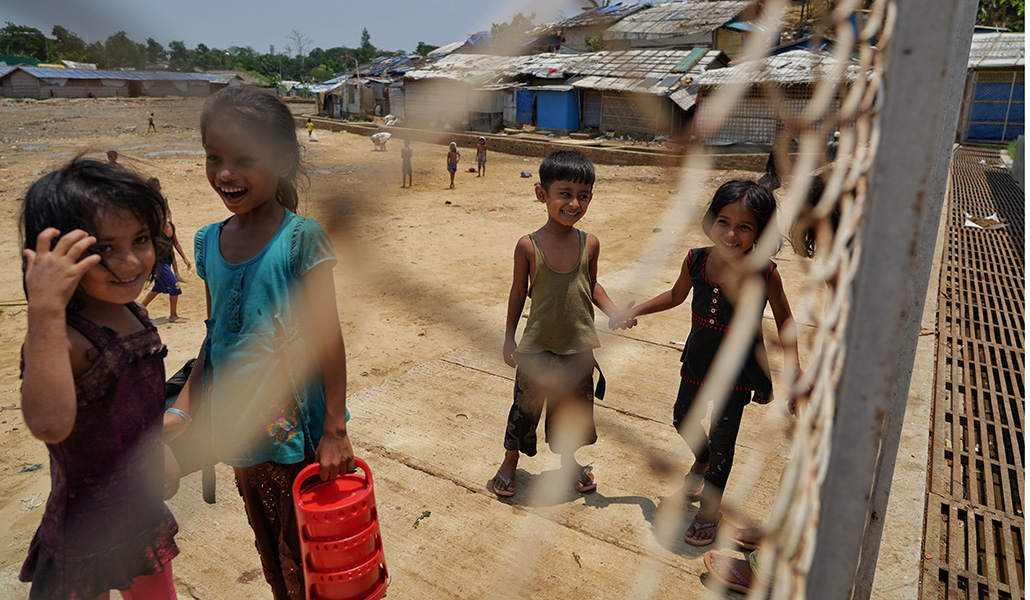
{"x": 392, "y": 24}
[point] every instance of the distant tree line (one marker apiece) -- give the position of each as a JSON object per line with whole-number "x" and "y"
{"x": 296, "y": 61}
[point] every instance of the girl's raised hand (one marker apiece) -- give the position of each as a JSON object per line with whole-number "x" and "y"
{"x": 51, "y": 275}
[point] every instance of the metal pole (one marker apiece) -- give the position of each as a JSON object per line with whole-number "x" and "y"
{"x": 957, "y": 56}
{"x": 897, "y": 243}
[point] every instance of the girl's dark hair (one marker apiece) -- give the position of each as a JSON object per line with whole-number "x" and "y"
{"x": 752, "y": 195}
{"x": 565, "y": 165}
{"x": 74, "y": 196}
{"x": 803, "y": 232}
{"x": 267, "y": 117}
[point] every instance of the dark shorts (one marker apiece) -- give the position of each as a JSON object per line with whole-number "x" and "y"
{"x": 452, "y": 167}
{"x": 165, "y": 281}
{"x": 565, "y": 385}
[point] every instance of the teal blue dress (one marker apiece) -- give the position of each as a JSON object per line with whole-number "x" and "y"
{"x": 261, "y": 374}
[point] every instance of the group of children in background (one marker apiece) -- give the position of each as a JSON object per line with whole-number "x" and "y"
{"x": 270, "y": 375}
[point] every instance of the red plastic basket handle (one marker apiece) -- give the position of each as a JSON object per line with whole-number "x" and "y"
{"x": 310, "y": 472}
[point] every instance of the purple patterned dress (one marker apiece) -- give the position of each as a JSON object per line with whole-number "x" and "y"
{"x": 105, "y": 521}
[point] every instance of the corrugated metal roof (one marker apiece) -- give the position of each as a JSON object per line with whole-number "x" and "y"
{"x": 676, "y": 19}
{"x": 51, "y": 73}
{"x": 789, "y": 68}
{"x": 646, "y": 71}
{"x": 997, "y": 50}
{"x": 4, "y": 70}
{"x": 604, "y": 15}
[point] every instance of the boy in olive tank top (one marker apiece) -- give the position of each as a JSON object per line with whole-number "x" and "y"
{"x": 556, "y": 266}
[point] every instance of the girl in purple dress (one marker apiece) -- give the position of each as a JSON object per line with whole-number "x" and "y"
{"x": 93, "y": 386}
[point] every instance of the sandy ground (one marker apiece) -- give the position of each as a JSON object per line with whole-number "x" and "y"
{"x": 421, "y": 285}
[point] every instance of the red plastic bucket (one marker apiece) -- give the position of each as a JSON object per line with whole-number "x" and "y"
{"x": 365, "y": 582}
{"x": 340, "y": 555}
{"x": 336, "y": 509}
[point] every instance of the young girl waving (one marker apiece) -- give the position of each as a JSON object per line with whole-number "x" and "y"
{"x": 273, "y": 361}
{"x": 93, "y": 385}
{"x": 738, "y": 214}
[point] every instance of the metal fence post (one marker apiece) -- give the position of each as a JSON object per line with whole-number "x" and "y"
{"x": 905, "y": 193}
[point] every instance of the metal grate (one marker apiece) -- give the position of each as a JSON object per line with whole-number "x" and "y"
{"x": 974, "y": 523}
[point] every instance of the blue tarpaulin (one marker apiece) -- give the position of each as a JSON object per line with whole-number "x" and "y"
{"x": 524, "y": 100}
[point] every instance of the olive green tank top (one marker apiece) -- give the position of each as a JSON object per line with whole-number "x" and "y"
{"x": 561, "y": 315}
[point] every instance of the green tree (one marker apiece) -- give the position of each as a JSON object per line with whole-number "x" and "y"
{"x": 321, "y": 73}
{"x": 366, "y": 51}
{"x": 505, "y": 37}
{"x": 19, "y": 40}
{"x": 1007, "y": 14}
{"x": 68, "y": 45}
{"x": 123, "y": 52}
{"x": 96, "y": 54}
{"x": 180, "y": 58}
{"x": 155, "y": 52}
{"x": 424, "y": 48}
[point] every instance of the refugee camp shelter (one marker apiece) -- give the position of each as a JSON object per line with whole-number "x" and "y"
{"x": 578, "y": 33}
{"x": 993, "y": 102}
{"x": 49, "y": 82}
{"x": 687, "y": 24}
{"x": 459, "y": 89}
{"x": 778, "y": 88}
{"x": 641, "y": 92}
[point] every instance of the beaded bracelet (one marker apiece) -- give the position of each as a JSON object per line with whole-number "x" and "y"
{"x": 176, "y": 411}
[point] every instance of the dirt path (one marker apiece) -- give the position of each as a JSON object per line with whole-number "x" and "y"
{"x": 421, "y": 284}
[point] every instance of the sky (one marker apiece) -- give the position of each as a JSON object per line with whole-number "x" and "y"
{"x": 391, "y": 24}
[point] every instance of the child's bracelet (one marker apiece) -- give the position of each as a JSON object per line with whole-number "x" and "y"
{"x": 176, "y": 411}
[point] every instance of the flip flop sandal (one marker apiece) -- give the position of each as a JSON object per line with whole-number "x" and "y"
{"x": 695, "y": 493}
{"x": 585, "y": 482}
{"x": 745, "y": 544}
{"x": 693, "y": 541}
{"x": 739, "y": 583}
{"x": 503, "y": 491}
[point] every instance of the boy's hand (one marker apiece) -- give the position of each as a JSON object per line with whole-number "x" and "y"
{"x": 509, "y": 353}
{"x": 53, "y": 275}
{"x": 623, "y": 319}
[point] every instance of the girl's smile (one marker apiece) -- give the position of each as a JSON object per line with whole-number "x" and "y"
{"x": 127, "y": 257}
{"x": 242, "y": 168}
{"x": 734, "y": 231}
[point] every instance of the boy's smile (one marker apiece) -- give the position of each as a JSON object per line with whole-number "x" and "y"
{"x": 566, "y": 201}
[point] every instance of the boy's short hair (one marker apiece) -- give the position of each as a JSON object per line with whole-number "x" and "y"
{"x": 566, "y": 165}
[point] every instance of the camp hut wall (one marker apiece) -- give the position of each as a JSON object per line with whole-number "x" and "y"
{"x": 486, "y": 108}
{"x": 49, "y": 82}
{"x": 786, "y": 80}
{"x": 631, "y": 113}
{"x": 640, "y": 92}
{"x": 434, "y": 103}
{"x": 557, "y": 107}
{"x": 397, "y": 100}
{"x": 993, "y": 101}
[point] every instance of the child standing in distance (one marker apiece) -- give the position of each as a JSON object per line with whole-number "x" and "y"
{"x": 406, "y": 170}
{"x": 453, "y": 156}
{"x": 150, "y": 124}
{"x": 93, "y": 386}
{"x": 738, "y": 214}
{"x": 481, "y": 157}
{"x": 557, "y": 267}
{"x": 273, "y": 362}
{"x": 310, "y": 127}
{"x": 166, "y": 276}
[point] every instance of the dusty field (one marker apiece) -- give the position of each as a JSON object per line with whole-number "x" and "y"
{"x": 421, "y": 285}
